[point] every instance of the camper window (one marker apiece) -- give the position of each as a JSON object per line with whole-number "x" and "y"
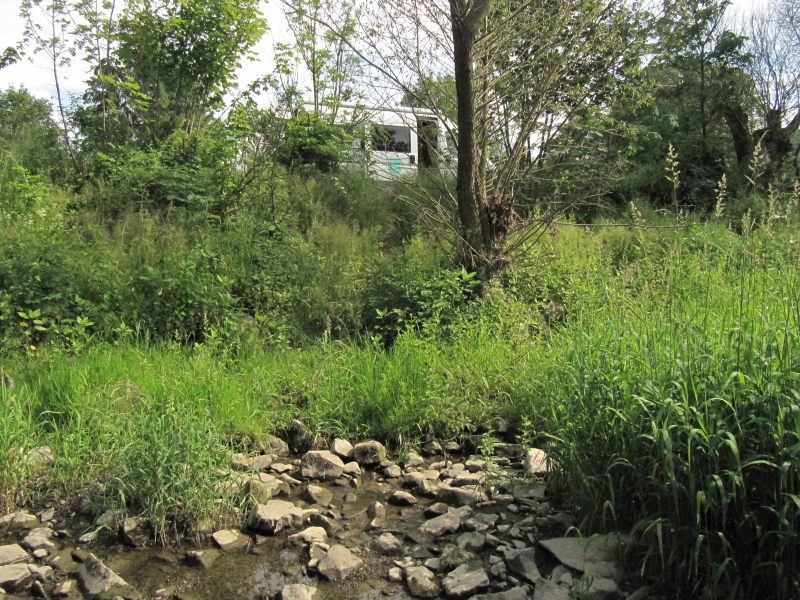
{"x": 389, "y": 138}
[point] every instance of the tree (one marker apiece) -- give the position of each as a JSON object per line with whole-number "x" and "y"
{"x": 9, "y": 56}
{"x": 773, "y": 47}
{"x": 328, "y": 61}
{"x": 699, "y": 72}
{"x": 152, "y": 132}
{"x": 515, "y": 64}
{"x": 47, "y": 29}
{"x": 28, "y": 135}
{"x": 175, "y": 60}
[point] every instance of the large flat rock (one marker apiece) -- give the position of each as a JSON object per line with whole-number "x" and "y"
{"x": 12, "y": 554}
{"x": 339, "y": 563}
{"x": 597, "y": 555}
{"x": 274, "y": 516}
{"x": 100, "y": 582}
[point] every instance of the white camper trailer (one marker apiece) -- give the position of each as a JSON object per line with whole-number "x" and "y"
{"x": 399, "y": 140}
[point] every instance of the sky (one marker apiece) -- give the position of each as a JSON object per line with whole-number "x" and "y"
{"x": 34, "y": 73}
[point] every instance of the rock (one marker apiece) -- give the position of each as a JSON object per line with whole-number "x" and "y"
{"x": 447, "y": 523}
{"x": 277, "y": 446}
{"x": 548, "y": 590}
{"x": 521, "y": 562}
{"x": 101, "y": 582}
{"x": 466, "y": 478}
{"x": 12, "y": 554}
{"x": 39, "y": 538}
{"x": 392, "y": 472}
{"x": 369, "y": 453}
{"x": 230, "y": 540}
{"x": 66, "y": 589}
{"x": 536, "y": 462}
{"x": 18, "y": 521}
{"x": 465, "y": 580}
{"x": 15, "y": 578}
{"x": 395, "y": 575}
{"x": 135, "y": 532}
{"x": 339, "y": 563}
{"x": 41, "y": 553}
{"x": 321, "y": 464}
{"x": 401, "y": 498}
{"x": 264, "y": 487}
{"x": 472, "y": 541}
{"x": 298, "y": 591}
{"x": 281, "y": 468}
{"x": 342, "y": 448}
{"x": 298, "y": 436}
{"x": 516, "y": 593}
{"x": 419, "y": 482}
{"x": 318, "y": 495}
{"x": 63, "y": 561}
{"x": 311, "y": 535}
{"x": 596, "y": 555}
{"x": 39, "y": 457}
{"x": 202, "y": 559}
{"x": 274, "y": 516}
{"x": 388, "y": 545}
{"x": 422, "y": 583}
{"x": 436, "y": 509}
{"x": 599, "y": 588}
{"x": 413, "y": 460}
{"x": 460, "y": 495}
{"x": 352, "y": 468}
{"x": 377, "y": 515}
{"x": 452, "y": 556}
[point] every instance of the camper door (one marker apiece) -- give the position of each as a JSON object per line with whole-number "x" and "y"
{"x": 394, "y": 150}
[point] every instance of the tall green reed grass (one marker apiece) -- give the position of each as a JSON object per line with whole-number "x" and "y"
{"x": 677, "y": 416}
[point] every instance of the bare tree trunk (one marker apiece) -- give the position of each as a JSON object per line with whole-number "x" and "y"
{"x": 777, "y": 143}
{"x": 466, "y": 17}
{"x": 738, "y": 125}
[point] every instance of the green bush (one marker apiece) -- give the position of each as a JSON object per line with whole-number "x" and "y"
{"x": 415, "y": 289}
{"x": 311, "y": 140}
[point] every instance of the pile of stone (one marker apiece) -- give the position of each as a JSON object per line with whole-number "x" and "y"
{"x": 478, "y": 528}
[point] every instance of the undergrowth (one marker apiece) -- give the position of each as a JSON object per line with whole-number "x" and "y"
{"x": 662, "y": 366}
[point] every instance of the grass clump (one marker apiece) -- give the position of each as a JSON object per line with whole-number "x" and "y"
{"x": 676, "y": 417}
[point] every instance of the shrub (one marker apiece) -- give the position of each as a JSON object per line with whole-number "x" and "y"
{"x": 415, "y": 288}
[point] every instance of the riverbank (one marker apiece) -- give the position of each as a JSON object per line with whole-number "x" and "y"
{"x": 663, "y": 387}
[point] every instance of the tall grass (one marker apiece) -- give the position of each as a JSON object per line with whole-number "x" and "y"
{"x": 667, "y": 383}
{"x": 677, "y": 415}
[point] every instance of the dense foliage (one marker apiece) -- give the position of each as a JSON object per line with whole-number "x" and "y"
{"x": 183, "y": 271}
